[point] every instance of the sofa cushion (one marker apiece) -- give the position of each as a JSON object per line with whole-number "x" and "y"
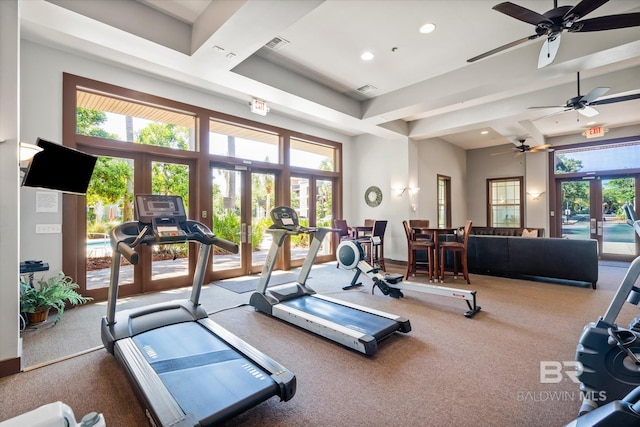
{"x": 529, "y": 233}
{"x": 499, "y": 231}
{"x": 482, "y": 231}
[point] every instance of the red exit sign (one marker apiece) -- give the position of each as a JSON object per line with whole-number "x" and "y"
{"x": 595, "y": 132}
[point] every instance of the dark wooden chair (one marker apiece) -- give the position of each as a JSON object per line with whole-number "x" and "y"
{"x": 374, "y": 245}
{"x": 345, "y": 230}
{"x": 456, "y": 247}
{"x": 414, "y": 266}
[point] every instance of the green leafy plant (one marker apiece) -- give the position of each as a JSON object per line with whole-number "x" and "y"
{"x": 54, "y": 292}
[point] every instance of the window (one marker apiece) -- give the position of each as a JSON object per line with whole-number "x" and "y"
{"x": 505, "y": 202}
{"x": 229, "y": 171}
{"x": 226, "y": 139}
{"x": 620, "y": 156}
{"x": 444, "y": 201}
{"x": 313, "y": 156}
{"x": 118, "y": 119}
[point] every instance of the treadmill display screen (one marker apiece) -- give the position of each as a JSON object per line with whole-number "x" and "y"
{"x": 154, "y": 206}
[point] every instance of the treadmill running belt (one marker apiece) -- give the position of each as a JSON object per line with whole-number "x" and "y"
{"x": 205, "y": 376}
{"x": 362, "y": 321}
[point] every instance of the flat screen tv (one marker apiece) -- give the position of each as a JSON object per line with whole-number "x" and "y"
{"x": 59, "y": 168}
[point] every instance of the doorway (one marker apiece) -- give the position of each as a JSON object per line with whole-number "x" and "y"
{"x": 109, "y": 202}
{"x": 241, "y": 202}
{"x": 597, "y": 207}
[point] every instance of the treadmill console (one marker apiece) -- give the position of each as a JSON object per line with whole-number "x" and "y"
{"x": 285, "y": 218}
{"x": 165, "y": 215}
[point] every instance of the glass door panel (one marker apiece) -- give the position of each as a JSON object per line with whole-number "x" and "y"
{"x": 300, "y": 203}
{"x": 576, "y": 214}
{"x": 109, "y": 202}
{"x": 170, "y": 261}
{"x": 227, "y": 217}
{"x": 324, "y": 209}
{"x": 262, "y": 201}
{"x": 618, "y": 236}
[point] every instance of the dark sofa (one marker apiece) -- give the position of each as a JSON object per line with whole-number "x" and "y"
{"x": 504, "y": 231}
{"x": 552, "y": 258}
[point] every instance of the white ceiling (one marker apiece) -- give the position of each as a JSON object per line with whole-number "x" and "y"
{"x": 424, "y": 86}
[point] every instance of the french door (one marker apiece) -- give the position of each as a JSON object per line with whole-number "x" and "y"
{"x": 160, "y": 266}
{"x": 599, "y": 207}
{"x": 242, "y": 200}
{"x": 313, "y": 198}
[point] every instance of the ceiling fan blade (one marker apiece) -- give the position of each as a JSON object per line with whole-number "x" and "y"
{"x": 504, "y": 47}
{"x": 548, "y": 51}
{"x": 547, "y": 106}
{"x": 588, "y": 111}
{"x": 595, "y": 94}
{"x": 611, "y": 22}
{"x": 542, "y": 147}
{"x": 501, "y": 152}
{"x": 616, "y": 99}
{"x": 521, "y": 13}
{"x": 583, "y": 8}
{"x": 553, "y": 114}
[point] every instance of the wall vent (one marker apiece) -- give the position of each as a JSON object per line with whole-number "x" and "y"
{"x": 277, "y": 43}
{"x": 366, "y": 88}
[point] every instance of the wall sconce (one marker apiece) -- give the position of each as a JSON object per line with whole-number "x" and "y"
{"x": 399, "y": 191}
{"x": 535, "y": 195}
{"x": 27, "y": 151}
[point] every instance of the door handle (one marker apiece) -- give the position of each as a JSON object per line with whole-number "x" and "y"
{"x": 592, "y": 225}
{"x": 243, "y": 233}
{"x": 249, "y": 234}
{"x": 599, "y": 228}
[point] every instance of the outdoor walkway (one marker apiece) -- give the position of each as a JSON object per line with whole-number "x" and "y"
{"x": 179, "y": 267}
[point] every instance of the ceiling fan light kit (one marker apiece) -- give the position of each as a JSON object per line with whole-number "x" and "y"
{"x": 559, "y": 19}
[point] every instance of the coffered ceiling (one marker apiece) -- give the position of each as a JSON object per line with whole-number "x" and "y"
{"x": 303, "y": 58}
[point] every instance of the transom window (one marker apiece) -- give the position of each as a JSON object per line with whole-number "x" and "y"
{"x": 123, "y": 120}
{"x": 226, "y": 139}
{"x": 311, "y": 155}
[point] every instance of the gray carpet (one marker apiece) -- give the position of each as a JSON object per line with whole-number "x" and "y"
{"x": 448, "y": 371}
{"x": 244, "y": 284}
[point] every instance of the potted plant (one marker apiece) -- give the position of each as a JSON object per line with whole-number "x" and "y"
{"x": 54, "y": 292}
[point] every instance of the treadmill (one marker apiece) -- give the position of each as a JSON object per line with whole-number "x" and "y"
{"x": 186, "y": 369}
{"x": 354, "y": 326}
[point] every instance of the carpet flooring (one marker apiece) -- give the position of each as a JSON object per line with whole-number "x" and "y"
{"x": 448, "y": 371}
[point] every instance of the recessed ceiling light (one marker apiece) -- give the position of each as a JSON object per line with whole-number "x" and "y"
{"x": 484, "y": 132}
{"x": 591, "y": 123}
{"x": 427, "y": 28}
{"x": 367, "y": 56}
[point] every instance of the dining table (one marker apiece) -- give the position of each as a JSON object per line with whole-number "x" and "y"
{"x": 361, "y": 231}
{"x": 435, "y": 232}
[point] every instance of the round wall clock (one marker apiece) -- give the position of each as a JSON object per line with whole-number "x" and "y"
{"x": 373, "y": 196}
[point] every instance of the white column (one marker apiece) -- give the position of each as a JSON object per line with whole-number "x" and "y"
{"x": 10, "y": 344}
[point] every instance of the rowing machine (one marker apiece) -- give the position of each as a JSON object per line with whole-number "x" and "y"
{"x": 351, "y": 257}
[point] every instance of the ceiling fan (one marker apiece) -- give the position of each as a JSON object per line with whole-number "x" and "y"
{"x": 583, "y": 104}
{"x": 522, "y": 148}
{"x": 558, "y": 19}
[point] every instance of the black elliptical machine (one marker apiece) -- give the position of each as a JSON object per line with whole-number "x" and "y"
{"x": 609, "y": 361}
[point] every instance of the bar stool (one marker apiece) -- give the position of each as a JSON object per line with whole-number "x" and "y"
{"x": 456, "y": 247}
